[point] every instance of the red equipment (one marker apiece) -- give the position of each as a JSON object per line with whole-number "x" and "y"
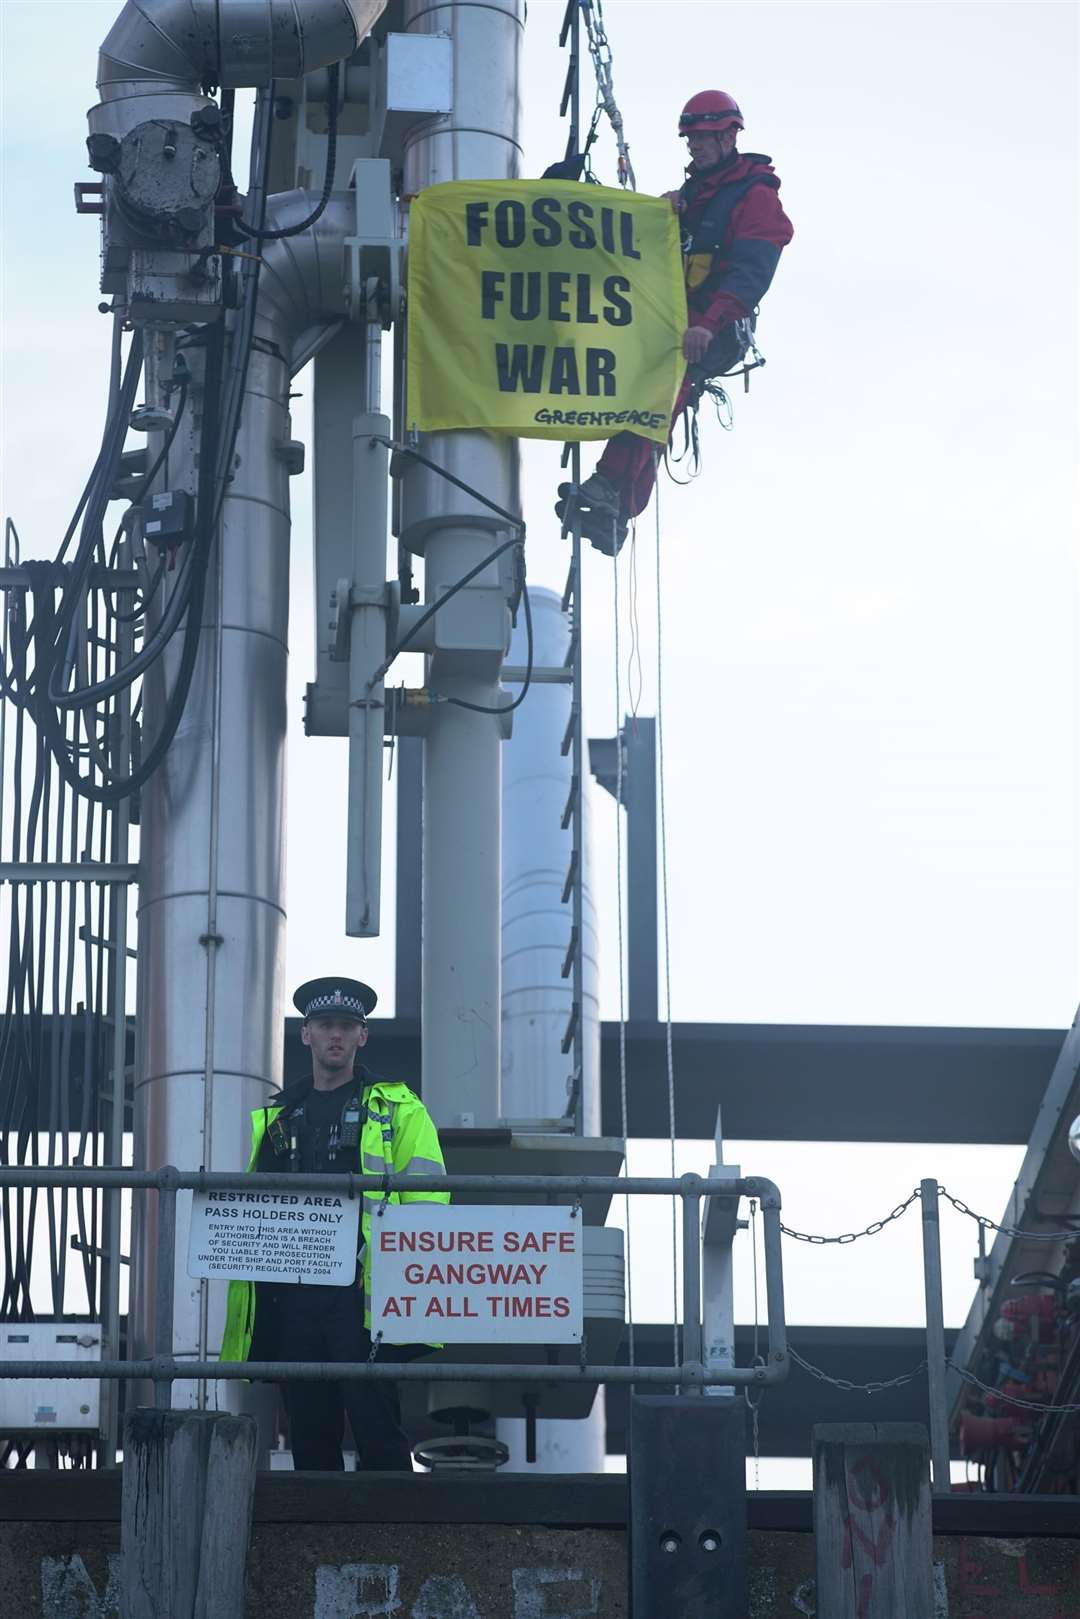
{"x": 991, "y": 1433}
{"x": 710, "y": 111}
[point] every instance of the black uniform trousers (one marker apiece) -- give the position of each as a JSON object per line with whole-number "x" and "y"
{"x": 327, "y": 1324}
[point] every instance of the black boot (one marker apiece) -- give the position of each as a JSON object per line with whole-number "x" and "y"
{"x": 596, "y": 505}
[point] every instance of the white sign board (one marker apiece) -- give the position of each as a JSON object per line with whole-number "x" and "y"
{"x": 508, "y": 1274}
{"x": 275, "y": 1237}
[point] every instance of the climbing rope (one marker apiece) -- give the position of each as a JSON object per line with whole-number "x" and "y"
{"x": 623, "y": 1102}
{"x": 669, "y": 1049}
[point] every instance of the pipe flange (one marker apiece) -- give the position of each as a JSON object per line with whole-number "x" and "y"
{"x": 462, "y": 1453}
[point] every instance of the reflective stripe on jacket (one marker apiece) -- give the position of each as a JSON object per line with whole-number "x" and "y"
{"x": 397, "y": 1136}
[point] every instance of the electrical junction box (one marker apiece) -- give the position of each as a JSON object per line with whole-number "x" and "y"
{"x": 415, "y": 80}
{"x": 49, "y": 1405}
{"x": 169, "y": 518}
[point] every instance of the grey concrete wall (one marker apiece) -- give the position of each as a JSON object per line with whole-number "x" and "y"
{"x": 432, "y": 1571}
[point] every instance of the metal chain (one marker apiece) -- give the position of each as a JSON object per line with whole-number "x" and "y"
{"x": 1008, "y": 1399}
{"x": 592, "y": 12}
{"x": 901, "y": 1208}
{"x": 1009, "y": 1230}
{"x": 754, "y": 1409}
{"x": 852, "y": 1236}
{"x": 845, "y": 1383}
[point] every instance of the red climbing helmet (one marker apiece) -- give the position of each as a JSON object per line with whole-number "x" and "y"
{"x": 711, "y": 111}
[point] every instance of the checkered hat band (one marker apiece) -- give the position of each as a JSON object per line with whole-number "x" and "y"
{"x": 335, "y": 1003}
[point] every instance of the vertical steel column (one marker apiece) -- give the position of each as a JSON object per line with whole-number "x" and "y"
{"x": 717, "y": 1269}
{"x": 211, "y": 889}
{"x": 691, "y": 1335}
{"x": 409, "y": 767}
{"x": 935, "y": 1337}
{"x": 367, "y": 652}
{"x": 639, "y": 791}
{"x": 165, "y": 1301}
{"x": 462, "y": 767}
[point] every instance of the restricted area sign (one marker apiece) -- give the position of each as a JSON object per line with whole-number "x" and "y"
{"x": 275, "y": 1237}
{"x": 509, "y": 1274}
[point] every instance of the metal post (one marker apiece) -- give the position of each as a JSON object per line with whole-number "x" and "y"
{"x": 935, "y": 1336}
{"x": 772, "y": 1242}
{"x": 643, "y": 920}
{"x": 409, "y": 767}
{"x": 717, "y": 1270}
{"x": 366, "y": 655}
{"x": 691, "y": 1352}
{"x": 166, "y": 1280}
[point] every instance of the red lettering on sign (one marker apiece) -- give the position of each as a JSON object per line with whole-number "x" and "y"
{"x": 967, "y": 1572}
{"x": 1031, "y": 1589}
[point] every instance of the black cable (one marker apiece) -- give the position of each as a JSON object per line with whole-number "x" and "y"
{"x": 508, "y": 708}
{"x": 47, "y": 658}
{"x": 145, "y": 599}
{"x": 148, "y": 478}
{"x": 120, "y": 787}
{"x": 83, "y": 697}
{"x": 215, "y": 456}
{"x": 260, "y": 233}
{"x": 111, "y": 446}
{"x": 448, "y": 477}
{"x": 467, "y": 578}
{"x": 429, "y": 612}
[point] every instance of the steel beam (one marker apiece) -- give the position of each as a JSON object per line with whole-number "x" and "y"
{"x": 783, "y": 1082}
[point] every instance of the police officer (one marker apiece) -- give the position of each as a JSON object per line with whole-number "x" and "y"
{"x": 341, "y": 1118}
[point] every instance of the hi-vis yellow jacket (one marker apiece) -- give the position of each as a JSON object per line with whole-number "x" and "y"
{"x": 397, "y": 1135}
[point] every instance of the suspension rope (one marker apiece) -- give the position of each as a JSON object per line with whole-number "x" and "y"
{"x": 669, "y": 1050}
{"x": 623, "y": 1102}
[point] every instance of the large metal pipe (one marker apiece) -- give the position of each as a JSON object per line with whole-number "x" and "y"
{"x": 211, "y": 890}
{"x": 159, "y": 54}
{"x": 536, "y": 998}
{"x": 462, "y": 767}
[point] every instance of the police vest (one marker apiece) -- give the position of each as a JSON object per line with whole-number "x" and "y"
{"x": 398, "y": 1136}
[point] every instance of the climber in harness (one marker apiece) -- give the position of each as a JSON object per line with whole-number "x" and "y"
{"x": 733, "y": 231}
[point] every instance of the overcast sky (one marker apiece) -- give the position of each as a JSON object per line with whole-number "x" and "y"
{"x": 869, "y": 595}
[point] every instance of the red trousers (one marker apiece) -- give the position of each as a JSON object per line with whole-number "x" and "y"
{"x": 629, "y": 461}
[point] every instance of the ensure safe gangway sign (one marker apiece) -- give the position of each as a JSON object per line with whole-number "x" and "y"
{"x": 506, "y": 1274}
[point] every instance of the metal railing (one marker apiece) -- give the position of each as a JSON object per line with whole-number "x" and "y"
{"x": 709, "y": 1246}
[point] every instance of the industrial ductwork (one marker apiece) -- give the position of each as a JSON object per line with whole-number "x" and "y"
{"x": 160, "y": 55}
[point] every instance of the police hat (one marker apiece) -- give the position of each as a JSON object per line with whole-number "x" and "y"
{"x": 335, "y": 997}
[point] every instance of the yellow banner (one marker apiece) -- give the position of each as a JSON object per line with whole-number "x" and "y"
{"x": 544, "y": 308}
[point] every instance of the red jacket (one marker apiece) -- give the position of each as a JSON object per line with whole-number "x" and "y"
{"x": 734, "y": 230}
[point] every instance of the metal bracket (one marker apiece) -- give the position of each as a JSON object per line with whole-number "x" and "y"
{"x": 373, "y": 253}
{"x": 339, "y": 622}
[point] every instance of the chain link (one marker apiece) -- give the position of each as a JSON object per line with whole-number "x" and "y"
{"x": 1008, "y": 1399}
{"x": 958, "y": 1203}
{"x": 853, "y": 1236}
{"x": 592, "y": 12}
{"x": 1009, "y": 1230}
{"x": 754, "y": 1407}
{"x": 845, "y": 1383}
